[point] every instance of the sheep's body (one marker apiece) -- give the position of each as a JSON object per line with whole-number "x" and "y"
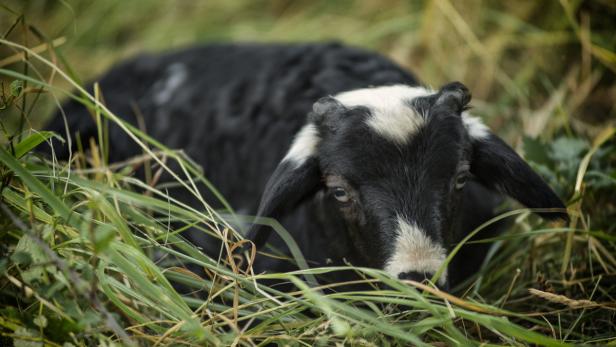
{"x": 234, "y": 109}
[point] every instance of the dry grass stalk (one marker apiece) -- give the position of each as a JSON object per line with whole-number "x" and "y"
{"x": 561, "y": 299}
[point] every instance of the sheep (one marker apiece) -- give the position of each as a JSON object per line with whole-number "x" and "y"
{"x": 356, "y": 159}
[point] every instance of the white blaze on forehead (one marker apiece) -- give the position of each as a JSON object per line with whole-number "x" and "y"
{"x": 304, "y": 145}
{"x": 415, "y": 252}
{"x": 475, "y": 127}
{"x": 392, "y": 116}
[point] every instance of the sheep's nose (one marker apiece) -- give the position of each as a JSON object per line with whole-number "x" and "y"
{"x": 420, "y": 277}
{"x": 415, "y": 276}
{"x": 455, "y": 95}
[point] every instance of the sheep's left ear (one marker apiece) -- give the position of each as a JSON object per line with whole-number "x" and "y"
{"x": 499, "y": 167}
{"x": 296, "y": 177}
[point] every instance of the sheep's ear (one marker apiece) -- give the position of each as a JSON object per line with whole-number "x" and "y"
{"x": 296, "y": 177}
{"x": 499, "y": 167}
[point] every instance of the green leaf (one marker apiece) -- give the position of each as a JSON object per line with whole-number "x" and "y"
{"x": 103, "y": 235}
{"x": 40, "y": 321}
{"x": 90, "y": 319}
{"x": 536, "y": 151}
{"x": 24, "y": 337}
{"x": 38, "y": 187}
{"x": 567, "y": 149}
{"x": 16, "y": 87}
{"x": 28, "y": 247}
{"x": 21, "y": 258}
{"x": 30, "y": 142}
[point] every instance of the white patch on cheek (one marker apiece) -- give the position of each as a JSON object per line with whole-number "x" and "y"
{"x": 475, "y": 127}
{"x": 415, "y": 252}
{"x": 304, "y": 145}
{"x": 392, "y": 116}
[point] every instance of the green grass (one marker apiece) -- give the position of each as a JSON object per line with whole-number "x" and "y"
{"x": 86, "y": 258}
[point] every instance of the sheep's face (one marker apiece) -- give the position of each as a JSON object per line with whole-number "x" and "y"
{"x": 394, "y": 161}
{"x": 391, "y": 163}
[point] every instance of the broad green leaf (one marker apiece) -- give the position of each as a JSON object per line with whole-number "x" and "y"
{"x": 536, "y": 151}
{"x": 566, "y": 149}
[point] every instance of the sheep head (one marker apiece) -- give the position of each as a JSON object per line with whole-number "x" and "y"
{"x": 392, "y": 163}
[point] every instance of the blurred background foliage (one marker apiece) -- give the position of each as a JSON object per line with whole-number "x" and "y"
{"x": 542, "y": 74}
{"x": 522, "y": 59}
{"x": 541, "y": 70}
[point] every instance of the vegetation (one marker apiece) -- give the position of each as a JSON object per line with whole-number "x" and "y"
{"x": 88, "y": 252}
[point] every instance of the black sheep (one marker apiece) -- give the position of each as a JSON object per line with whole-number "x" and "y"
{"x": 382, "y": 173}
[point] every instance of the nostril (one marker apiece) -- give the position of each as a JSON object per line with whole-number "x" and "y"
{"x": 415, "y": 276}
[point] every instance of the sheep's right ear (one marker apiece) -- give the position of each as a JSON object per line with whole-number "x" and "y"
{"x": 296, "y": 177}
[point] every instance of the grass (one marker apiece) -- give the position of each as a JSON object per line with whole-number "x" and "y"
{"x": 88, "y": 258}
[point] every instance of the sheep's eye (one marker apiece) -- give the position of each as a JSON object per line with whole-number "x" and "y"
{"x": 461, "y": 180}
{"x": 341, "y": 195}
{"x": 463, "y": 175}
